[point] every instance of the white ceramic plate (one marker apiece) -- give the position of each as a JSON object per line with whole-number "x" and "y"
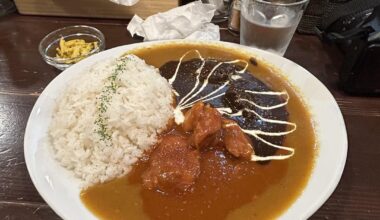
{"x": 61, "y": 191}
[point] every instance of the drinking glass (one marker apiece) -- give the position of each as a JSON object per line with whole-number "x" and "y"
{"x": 270, "y": 25}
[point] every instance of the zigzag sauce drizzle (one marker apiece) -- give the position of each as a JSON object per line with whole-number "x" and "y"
{"x": 256, "y": 133}
{"x": 187, "y": 102}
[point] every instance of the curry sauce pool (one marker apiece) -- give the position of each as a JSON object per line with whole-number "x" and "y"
{"x": 227, "y": 188}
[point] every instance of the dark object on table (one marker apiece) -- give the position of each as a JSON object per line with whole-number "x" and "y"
{"x": 318, "y": 10}
{"x": 6, "y": 7}
{"x": 355, "y": 29}
{"x": 314, "y": 13}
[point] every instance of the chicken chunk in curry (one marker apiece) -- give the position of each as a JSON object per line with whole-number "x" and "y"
{"x": 173, "y": 165}
{"x": 204, "y": 121}
{"x": 235, "y": 141}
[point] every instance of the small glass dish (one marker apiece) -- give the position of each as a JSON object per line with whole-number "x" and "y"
{"x": 49, "y": 44}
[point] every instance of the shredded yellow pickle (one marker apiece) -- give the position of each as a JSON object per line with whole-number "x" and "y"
{"x": 75, "y": 49}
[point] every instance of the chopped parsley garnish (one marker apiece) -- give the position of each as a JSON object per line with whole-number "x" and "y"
{"x": 104, "y": 99}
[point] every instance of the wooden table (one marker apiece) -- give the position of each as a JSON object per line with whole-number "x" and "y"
{"x": 24, "y": 75}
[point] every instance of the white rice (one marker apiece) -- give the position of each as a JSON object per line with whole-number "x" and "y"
{"x": 139, "y": 109}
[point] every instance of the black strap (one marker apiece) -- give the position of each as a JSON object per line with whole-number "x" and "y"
{"x": 351, "y": 7}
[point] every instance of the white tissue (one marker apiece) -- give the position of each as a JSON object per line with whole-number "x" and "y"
{"x": 125, "y": 2}
{"x": 191, "y": 21}
{"x": 208, "y": 31}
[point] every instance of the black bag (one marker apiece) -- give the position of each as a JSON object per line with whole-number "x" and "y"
{"x": 322, "y": 13}
{"x": 354, "y": 26}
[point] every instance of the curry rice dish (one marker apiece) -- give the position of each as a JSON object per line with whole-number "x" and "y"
{"x": 239, "y": 143}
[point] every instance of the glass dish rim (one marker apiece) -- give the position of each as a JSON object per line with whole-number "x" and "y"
{"x": 43, "y": 53}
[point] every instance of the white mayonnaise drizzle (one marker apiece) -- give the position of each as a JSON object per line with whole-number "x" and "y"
{"x": 187, "y": 102}
{"x": 266, "y": 93}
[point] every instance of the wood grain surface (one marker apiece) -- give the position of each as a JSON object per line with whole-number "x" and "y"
{"x": 24, "y": 75}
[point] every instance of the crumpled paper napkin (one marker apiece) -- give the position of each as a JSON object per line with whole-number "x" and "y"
{"x": 125, "y": 2}
{"x": 191, "y": 21}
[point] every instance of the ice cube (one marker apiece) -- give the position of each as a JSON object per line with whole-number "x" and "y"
{"x": 282, "y": 20}
{"x": 259, "y": 17}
